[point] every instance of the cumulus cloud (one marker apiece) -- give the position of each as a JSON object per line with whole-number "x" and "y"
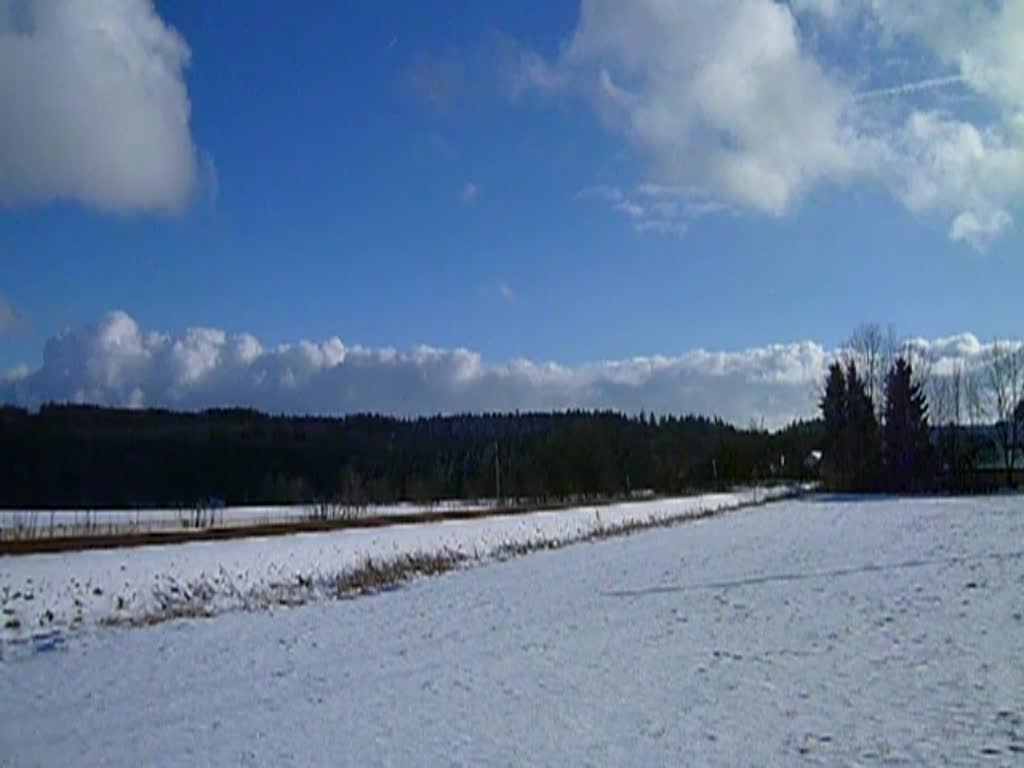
{"x": 739, "y": 99}
{"x": 470, "y": 191}
{"x": 115, "y": 362}
{"x": 720, "y": 94}
{"x": 94, "y": 105}
{"x": 941, "y": 163}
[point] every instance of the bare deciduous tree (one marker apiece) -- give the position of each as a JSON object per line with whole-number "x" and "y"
{"x": 864, "y": 347}
{"x": 1004, "y": 384}
{"x": 941, "y": 394}
{"x": 873, "y": 350}
{"x": 957, "y": 394}
{"x": 974, "y": 403}
{"x": 921, "y": 364}
{"x": 949, "y": 397}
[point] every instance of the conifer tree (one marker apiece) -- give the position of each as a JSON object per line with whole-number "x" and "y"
{"x": 862, "y": 442}
{"x": 906, "y": 440}
{"x": 834, "y": 415}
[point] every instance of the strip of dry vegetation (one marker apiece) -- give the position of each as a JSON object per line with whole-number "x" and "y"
{"x": 373, "y": 575}
{"x": 377, "y": 575}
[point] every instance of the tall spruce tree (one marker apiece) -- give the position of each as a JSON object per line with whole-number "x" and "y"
{"x": 906, "y": 436}
{"x": 862, "y": 435}
{"x": 834, "y": 415}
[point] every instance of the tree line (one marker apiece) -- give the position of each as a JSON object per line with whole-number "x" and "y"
{"x": 889, "y": 422}
{"x": 892, "y": 423}
{"x": 72, "y": 456}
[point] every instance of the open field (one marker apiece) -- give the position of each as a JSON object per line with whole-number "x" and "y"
{"x": 45, "y": 531}
{"x": 806, "y": 632}
{"x": 41, "y": 594}
{"x": 44, "y": 524}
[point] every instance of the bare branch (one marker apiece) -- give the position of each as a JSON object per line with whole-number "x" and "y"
{"x": 1004, "y": 385}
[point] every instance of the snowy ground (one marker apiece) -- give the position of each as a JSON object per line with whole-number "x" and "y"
{"x": 41, "y": 595}
{"x": 15, "y": 523}
{"x": 878, "y": 632}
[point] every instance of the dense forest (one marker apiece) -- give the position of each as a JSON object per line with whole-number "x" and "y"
{"x": 87, "y": 457}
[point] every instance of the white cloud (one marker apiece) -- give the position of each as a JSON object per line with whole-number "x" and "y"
{"x": 974, "y": 175}
{"x": 743, "y": 100}
{"x": 657, "y": 208}
{"x": 16, "y": 374}
{"x": 10, "y": 320}
{"x": 980, "y": 232}
{"x": 506, "y": 292}
{"x": 827, "y": 9}
{"x": 717, "y": 94}
{"x": 470, "y": 191}
{"x": 94, "y": 105}
{"x": 115, "y": 362}
{"x": 984, "y": 41}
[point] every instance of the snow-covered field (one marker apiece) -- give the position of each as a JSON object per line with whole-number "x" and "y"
{"x": 44, "y": 594}
{"x": 35, "y": 523}
{"x": 817, "y": 632}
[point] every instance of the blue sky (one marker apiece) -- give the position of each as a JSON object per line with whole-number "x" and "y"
{"x": 468, "y": 175}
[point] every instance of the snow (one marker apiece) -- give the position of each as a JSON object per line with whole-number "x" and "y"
{"x": 40, "y": 594}
{"x": 107, "y": 521}
{"x": 811, "y": 632}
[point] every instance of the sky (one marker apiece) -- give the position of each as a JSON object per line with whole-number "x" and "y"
{"x": 413, "y": 208}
